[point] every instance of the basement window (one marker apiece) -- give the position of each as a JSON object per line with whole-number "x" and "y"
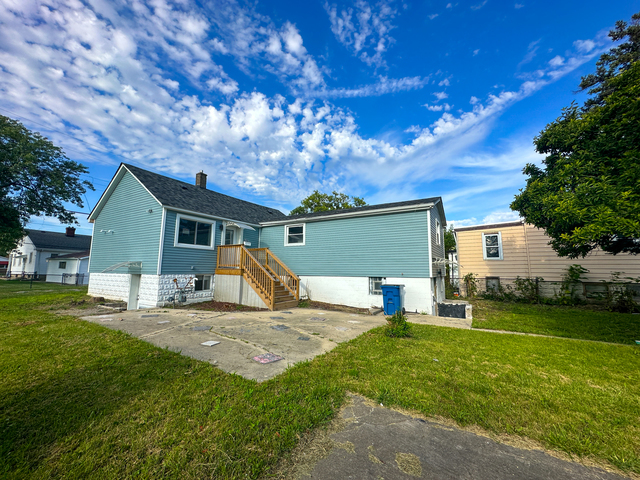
{"x": 203, "y": 283}
{"x": 375, "y": 285}
{"x": 294, "y": 234}
{"x": 492, "y": 246}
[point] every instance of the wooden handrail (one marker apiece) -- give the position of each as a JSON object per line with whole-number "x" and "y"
{"x": 260, "y": 266}
{"x": 237, "y": 257}
{"x": 289, "y": 279}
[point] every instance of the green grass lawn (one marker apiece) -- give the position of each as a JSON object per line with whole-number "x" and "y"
{"x": 82, "y": 401}
{"x": 571, "y": 322}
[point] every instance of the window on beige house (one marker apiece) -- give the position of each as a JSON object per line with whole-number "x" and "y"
{"x": 492, "y": 246}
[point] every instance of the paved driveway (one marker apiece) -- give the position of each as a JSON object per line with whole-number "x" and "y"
{"x": 295, "y": 335}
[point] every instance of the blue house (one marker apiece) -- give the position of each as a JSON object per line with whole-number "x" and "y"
{"x": 156, "y": 239}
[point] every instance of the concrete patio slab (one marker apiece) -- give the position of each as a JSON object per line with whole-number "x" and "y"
{"x": 243, "y": 335}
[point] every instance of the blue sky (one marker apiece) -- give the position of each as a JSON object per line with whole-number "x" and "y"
{"x": 386, "y": 100}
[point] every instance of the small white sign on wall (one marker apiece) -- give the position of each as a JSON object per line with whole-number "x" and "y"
{"x": 247, "y": 244}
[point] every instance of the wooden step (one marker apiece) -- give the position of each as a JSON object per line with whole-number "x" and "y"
{"x": 284, "y": 305}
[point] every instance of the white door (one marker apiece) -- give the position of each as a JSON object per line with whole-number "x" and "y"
{"x": 134, "y": 290}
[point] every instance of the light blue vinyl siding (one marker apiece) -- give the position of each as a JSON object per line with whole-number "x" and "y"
{"x": 179, "y": 260}
{"x": 135, "y": 233}
{"x": 438, "y": 250}
{"x": 391, "y": 245}
{"x": 251, "y": 236}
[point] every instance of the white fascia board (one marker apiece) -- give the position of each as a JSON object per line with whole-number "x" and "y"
{"x": 366, "y": 213}
{"x": 204, "y": 215}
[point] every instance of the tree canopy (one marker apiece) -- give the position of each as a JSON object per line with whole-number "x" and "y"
{"x": 36, "y": 178}
{"x": 613, "y": 62}
{"x": 449, "y": 240}
{"x": 321, "y": 202}
{"x": 588, "y": 193}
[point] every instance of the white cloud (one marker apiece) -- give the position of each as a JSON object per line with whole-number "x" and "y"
{"x": 584, "y": 46}
{"x": 479, "y": 6}
{"x": 444, "y": 83}
{"x": 432, "y": 16}
{"x": 519, "y": 5}
{"x": 112, "y": 95}
{"x": 449, "y": 5}
{"x": 364, "y": 29}
{"x": 383, "y": 86}
{"x": 532, "y": 49}
{"x": 440, "y": 96}
{"x": 476, "y": 52}
{"x": 473, "y": 100}
{"x": 438, "y": 108}
{"x": 556, "y": 61}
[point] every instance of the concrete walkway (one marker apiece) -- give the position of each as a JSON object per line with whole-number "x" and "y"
{"x": 373, "y": 442}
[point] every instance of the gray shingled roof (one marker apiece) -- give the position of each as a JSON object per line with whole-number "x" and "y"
{"x": 185, "y": 196}
{"x": 408, "y": 203}
{"x": 59, "y": 241}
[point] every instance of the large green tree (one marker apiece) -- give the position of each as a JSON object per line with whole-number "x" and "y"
{"x": 36, "y": 178}
{"x": 588, "y": 193}
{"x": 612, "y": 63}
{"x": 321, "y": 202}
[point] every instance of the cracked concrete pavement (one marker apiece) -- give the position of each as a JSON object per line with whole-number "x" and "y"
{"x": 369, "y": 441}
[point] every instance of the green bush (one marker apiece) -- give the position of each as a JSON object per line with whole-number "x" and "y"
{"x": 397, "y": 326}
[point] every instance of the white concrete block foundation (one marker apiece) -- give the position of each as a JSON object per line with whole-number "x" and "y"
{"x": 155, "y": 290}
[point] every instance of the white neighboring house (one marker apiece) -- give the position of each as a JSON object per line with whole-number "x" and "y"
{"x": 72, "y": 268}
{"x": 29, "y": 259}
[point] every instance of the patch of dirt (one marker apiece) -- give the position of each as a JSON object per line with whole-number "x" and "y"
{"x": 24, "y": 324}
{"x": 409, "y": 464}
{"x": 332, "y": 307}
{"x": 214, "y": 306}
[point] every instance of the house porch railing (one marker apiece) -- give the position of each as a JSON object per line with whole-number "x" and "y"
{"x": 272, "y": 263}
{"x": 261, "y": 267}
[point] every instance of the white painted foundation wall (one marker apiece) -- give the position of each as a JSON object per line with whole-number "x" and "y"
{"x": 354, "y": 291}
{"x": 235, "y": 289}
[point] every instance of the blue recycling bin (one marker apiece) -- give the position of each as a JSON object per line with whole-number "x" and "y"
{"x": 392, "y": 296}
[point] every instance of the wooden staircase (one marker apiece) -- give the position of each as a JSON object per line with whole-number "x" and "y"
{"x": 269, "y": 277}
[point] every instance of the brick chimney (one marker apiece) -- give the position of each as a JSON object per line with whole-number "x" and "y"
{"x": 201, "y": 179}
{"x": 71, "y": 232}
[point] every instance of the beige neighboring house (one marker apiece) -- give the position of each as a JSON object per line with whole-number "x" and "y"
{"x": 500, "y": 252}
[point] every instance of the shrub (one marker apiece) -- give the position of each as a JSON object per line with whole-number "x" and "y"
{"x": 397, "y": 326}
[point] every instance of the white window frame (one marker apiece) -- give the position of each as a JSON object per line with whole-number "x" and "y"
{"x": 438, "y": 236}
{"x": 304, "y": 235}
{"x": 210, "y": 283}
{"x": 211, "y": 246}
{"x": 371, "y": 282}
{"x": 484, "y": 246}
